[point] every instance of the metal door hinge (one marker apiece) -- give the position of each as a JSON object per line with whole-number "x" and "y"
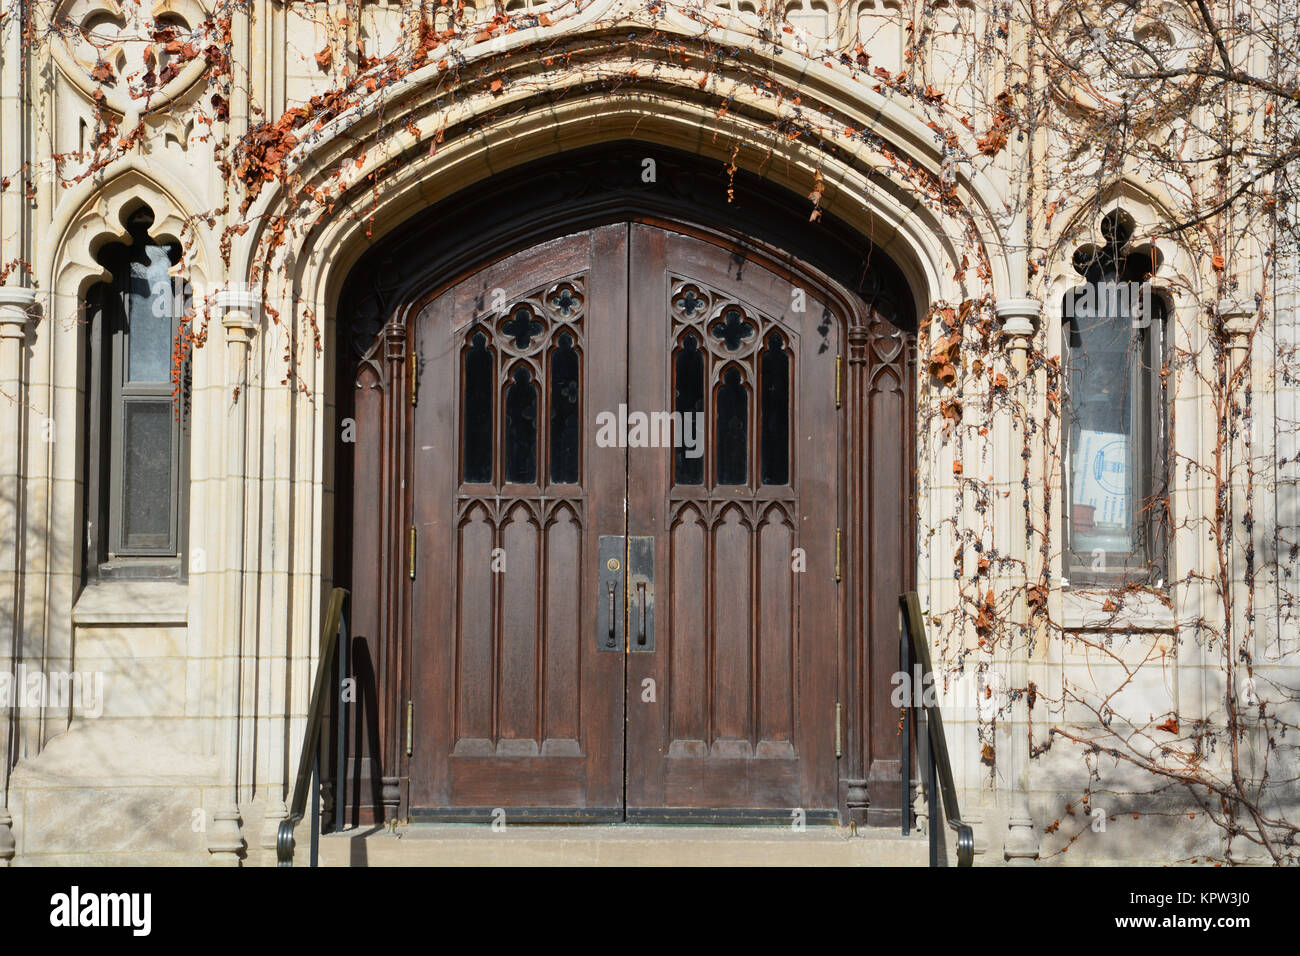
{"x": 415, "y": 375}
{"x": 839, "y": 361}
{"x": 410, "y": 722}
{"x": 839, "y": 748}
{"x": 411, "y": 556}
{"x": 839, "y": 538}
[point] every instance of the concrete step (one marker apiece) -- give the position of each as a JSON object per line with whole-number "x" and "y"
{"x": 454, "y": 844}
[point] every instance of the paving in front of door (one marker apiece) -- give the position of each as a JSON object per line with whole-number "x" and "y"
{"x": 618, "y": 845}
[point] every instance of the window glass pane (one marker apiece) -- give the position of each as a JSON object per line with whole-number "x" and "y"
{"x": 1104, "y": 442}
{"x": 688, "y": 399}
{"x": 774, "y": 381}
{"x": 564, "y": 411}
{"x": 149, "y": 314}
{"x": 147, "y": 474}
{"x": 521, "y": 427}
{"x": 733, "y": 430}
{"x": 476, "y": 413}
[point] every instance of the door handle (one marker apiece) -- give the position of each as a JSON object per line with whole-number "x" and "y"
{"x": 641, "y": 575}
{"x": 640, "y": 627}
{"x": 610, "y": 578}
{"x": 612, "y": 616}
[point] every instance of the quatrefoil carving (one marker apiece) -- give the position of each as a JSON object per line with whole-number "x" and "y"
{"x": 133, "y": 56}
{"x": 522, "y": 326}
{"x": 565, "y": 301}
{"x": 690, "y": 301}
{"x": 733, "y": 328}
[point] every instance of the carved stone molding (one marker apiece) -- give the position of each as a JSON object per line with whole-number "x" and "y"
{"x": 103, "y": 219}
{"x": 1236, "y": 322}
{"x": 225, "y": 839}
{"x": 132, "y": 56}
{"x": 1105, "y": 41}
{"x": 17, "y": 308}
{"x": 240, "y": 311}
{"x": 1019, "y": 319}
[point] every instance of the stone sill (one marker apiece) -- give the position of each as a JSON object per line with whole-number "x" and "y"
{"x": 132, "y": 602}
{"x": 1082, "y": 610}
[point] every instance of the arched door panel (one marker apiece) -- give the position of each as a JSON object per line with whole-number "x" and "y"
{"x": 512, "y": 706}
{"x": 627, "y": 484}
{"x": 747, "y": 603}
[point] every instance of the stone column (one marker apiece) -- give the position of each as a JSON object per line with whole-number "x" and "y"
{"x": 1019, "y": 318}
{"x": 17, "y": 306}
{"x": 1237, "y": 321}
{"x": 225, "y": 839}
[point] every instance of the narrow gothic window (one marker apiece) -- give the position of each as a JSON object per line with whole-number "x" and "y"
{"x": 688, "y": 399}
{"x": 521, "y": 427}
{"x": 564, "y": 411}
{"x": 476, "y": 411}
{"x": 138, "y": 414}
{"x": 774, "y": 412}
{"x": 732, "y": 430}
{"x": 1115, "y": 415}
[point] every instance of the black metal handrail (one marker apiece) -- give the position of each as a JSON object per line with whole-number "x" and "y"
{"x": 309, "y": 759}
{"x": 933, "y": 745}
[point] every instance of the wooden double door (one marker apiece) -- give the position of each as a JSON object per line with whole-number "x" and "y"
{"x": 625, "y": 465}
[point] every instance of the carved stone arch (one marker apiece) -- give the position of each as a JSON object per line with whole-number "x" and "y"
{"x": 102, "y": 218}
{"x": 564, "y": 110}
{"x": 1177, "y": 274}
{"x": 1178, "y": 277}
{"x": 863, "y": 288}
{"x": 386, "y": 284}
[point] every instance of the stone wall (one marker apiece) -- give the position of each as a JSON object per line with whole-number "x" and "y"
{"x": 206, "y": 682}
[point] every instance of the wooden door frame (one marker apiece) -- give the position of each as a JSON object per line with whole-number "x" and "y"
{"x": 869, "y": 785}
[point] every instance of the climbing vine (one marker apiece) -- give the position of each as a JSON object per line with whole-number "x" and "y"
{"x": 1182, "y": 115}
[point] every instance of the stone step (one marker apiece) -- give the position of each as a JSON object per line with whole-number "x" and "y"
{"x": 616, "y": 845}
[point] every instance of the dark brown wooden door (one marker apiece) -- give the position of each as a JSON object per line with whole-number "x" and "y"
{"x": 747, "y": 612}
{"x": 521, "y": 701}
{"x": 513, "y": 706}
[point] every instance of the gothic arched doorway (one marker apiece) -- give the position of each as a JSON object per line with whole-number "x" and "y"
{"x": 630, "y": 502}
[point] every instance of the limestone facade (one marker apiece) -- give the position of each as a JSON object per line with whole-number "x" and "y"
{"x": 186, "y": 757}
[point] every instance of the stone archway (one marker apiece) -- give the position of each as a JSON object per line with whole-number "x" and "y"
{"x": 869, "y": 370}
{"x": 358, "y": 172}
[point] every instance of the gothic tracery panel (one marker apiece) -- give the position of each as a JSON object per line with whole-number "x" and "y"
{"x": 732, "y": 529}
{"x": 522, "y": 507}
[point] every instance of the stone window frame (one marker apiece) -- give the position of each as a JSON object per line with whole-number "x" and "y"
{"x": 1153, "y": 432}
{"x": 105, "y": 557}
